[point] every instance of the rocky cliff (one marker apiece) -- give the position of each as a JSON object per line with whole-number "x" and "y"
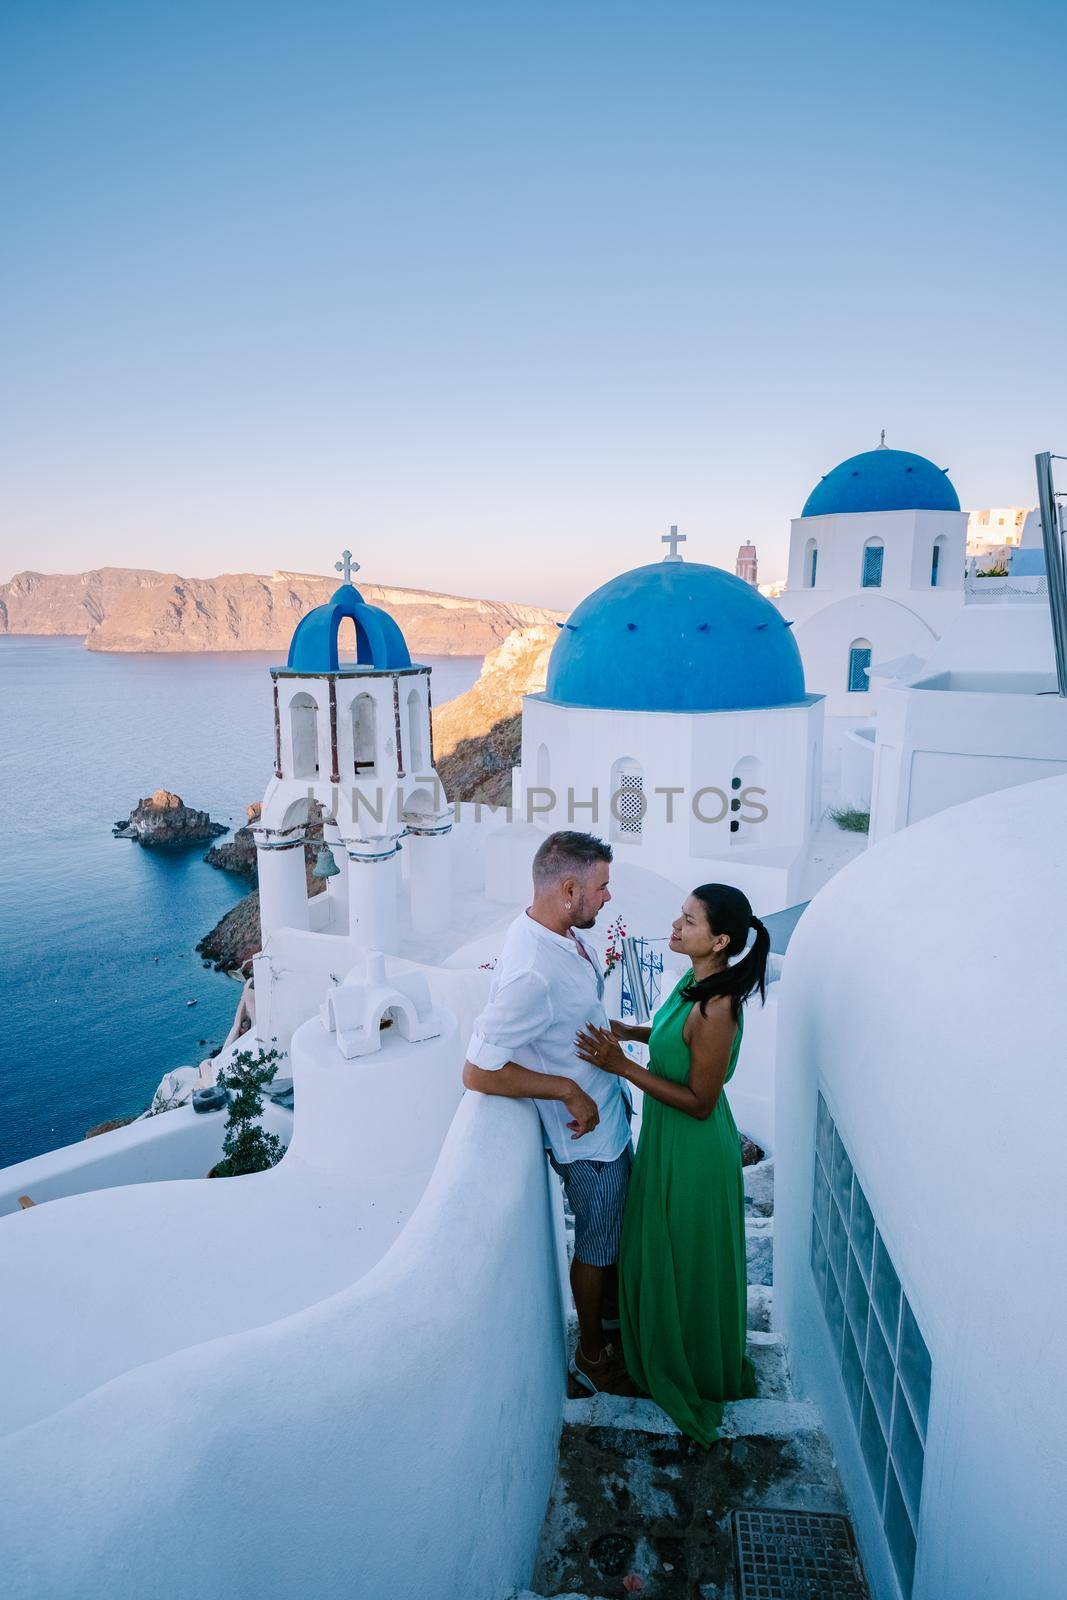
{"x": 477, "y": 736}
{"x": 128, "y": 609}
{"x": 238, "y": 855}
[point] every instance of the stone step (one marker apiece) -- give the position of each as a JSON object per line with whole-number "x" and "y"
{"x": 760, "y": 1301}
{"x": 765, "y": 1350}
{"x": 759, "y": 1189}
{"x": 635, "y": 1496}
{"x": 759, "y": 1246}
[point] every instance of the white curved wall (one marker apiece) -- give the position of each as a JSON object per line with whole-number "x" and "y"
{"x": 892, "y": 628}
{"x": 924, "y": 997}
{"x": 398, "y": 1438}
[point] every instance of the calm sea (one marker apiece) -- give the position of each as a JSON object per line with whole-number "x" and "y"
{"x": 90, "y": 1019}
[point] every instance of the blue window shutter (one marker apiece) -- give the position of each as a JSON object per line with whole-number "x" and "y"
{"x": 814, "y": 564}
{"x": 858, "y": 662}
{"x": 872, "y": 566}
{"x": 935, "y": 562}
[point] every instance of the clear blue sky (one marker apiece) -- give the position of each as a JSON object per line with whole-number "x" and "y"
{"x": 494, "y": 292}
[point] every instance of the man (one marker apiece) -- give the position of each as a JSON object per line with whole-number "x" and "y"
{"x": 547, "y": 985}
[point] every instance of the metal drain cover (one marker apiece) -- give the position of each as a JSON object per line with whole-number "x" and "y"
{"x": 797, "y": 1555}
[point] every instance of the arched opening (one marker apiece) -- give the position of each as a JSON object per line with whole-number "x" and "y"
{"x": 304, "y": 725}
{"x": 937, "y": 556}
{"x": 873, "y": 560}
{"x": 416, "y": 738}
{"x": 859, "y": 661}
{"x": 746, "y": 807}
{"x": 347, "y": 643}
{"x": 542, "y": 767}
{"x": 627, "y": 800}
{"x": 811, "y": 563}
{"x": 364, "y": 734}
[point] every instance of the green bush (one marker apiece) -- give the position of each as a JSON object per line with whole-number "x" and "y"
{"x": 246, "y": 1147}
{"x": 852, "y": 821}
{"x": 997, "y": 570}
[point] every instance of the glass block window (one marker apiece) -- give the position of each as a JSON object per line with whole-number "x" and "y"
{"x": 882, "y": 1355}
{"x": 873, "y": 556}
{"x": 859, "y": 659}
{"x": 630, "y": 804}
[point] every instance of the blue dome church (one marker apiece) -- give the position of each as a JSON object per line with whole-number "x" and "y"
{"x": 675, "y": 721}
{"x": 876, "y": 569}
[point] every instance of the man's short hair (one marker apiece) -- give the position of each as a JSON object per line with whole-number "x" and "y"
{"x": 567, "y": 852}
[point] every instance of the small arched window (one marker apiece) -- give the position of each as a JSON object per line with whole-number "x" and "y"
{"x": 364, "y": 733}
{"x": 936, "y": 557}
{"x": 304, "y": 726}
{"x": 811, "y": 563}
{"x": 541, "y": 767}
{"x": 873, "y": 558}
{"x": 416, "y": 741}
{"x": 859, "y": 661}
{"x": 627, "y": 800}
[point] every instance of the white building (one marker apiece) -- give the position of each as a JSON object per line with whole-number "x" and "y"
{"x": 675, "y": 721}
{"x": 920, "y": 1197}
{"x": 876, "y": 571}
{"x": 983, "y": 712}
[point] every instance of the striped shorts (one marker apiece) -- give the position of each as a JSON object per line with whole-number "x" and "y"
{"x": 596, "y": 1191}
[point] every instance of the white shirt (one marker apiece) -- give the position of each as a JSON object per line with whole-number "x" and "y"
{"x": 547, "y": 986}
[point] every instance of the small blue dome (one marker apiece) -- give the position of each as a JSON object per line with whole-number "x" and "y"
{"x": 882, "y": 480}
{"x": 379, "y": 641}
{"x": 675, "y": 636}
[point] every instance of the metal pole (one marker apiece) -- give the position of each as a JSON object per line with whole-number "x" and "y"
{"x": 635, "y": 982}
{"x": 1054, "y": 563}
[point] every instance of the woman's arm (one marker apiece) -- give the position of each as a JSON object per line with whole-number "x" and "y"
{"x": 710, "y": 1042}
{"x": 638, "y": 1032}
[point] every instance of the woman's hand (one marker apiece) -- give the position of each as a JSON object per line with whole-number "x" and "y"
{"x": 600, "y": 1048}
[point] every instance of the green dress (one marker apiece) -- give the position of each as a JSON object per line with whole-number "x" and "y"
{"x": 682, "y": 1266}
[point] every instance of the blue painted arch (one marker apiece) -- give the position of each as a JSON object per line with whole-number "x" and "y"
{"x": 379, "y": 642}
{"x": 676, "y": 636}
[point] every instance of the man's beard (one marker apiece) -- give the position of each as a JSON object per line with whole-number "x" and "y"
{"x": 583, "y": 918}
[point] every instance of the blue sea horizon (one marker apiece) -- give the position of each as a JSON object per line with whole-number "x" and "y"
{"x": 92, "y": 1018}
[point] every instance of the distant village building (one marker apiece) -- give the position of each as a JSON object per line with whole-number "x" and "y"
{"x": 746, "y": 566}
{"x": 995, "y": 525}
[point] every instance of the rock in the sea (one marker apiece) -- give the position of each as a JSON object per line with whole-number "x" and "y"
{"x": 238, "y": 855}
{"x": 478, "y": 736}
{"x": 165, "y": 819}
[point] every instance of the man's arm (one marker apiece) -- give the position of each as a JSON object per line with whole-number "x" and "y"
{"x": 519, "y": 1011}
{"x": 520, "y": 1083}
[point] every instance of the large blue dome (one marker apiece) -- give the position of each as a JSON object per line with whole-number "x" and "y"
{"x": 882, "y": 480}
{"x": 675, "y": 636}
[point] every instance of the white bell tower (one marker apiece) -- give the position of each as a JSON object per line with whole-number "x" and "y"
{"x": 357, "y": 739}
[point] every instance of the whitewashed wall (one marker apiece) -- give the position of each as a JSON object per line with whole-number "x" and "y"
{"x": 398, "y": 1438}
{"x": 953, "y": 736}
{"x": 949, "y": 1095}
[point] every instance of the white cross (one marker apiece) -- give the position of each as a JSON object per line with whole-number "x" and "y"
{"x": 674, "y": 539}
{"x": 346, "y": 565}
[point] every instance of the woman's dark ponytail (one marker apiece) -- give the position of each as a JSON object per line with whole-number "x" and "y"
{"x": 728, "y": 911}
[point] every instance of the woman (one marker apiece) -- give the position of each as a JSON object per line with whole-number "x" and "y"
{"x": 682, "y": 1270}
